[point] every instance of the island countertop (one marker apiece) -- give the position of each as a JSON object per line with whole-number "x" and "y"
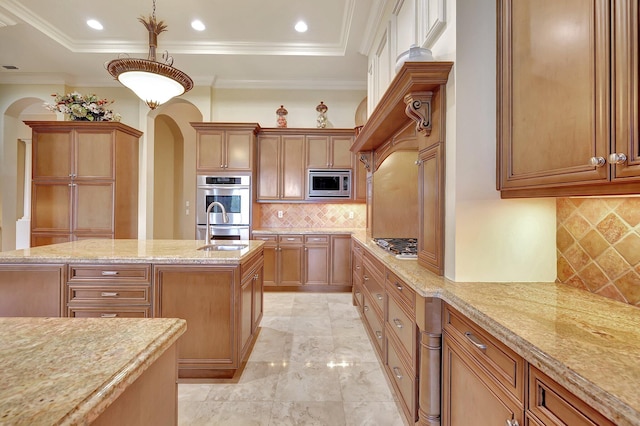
{"x": 132, "y": 251}
{"x": 586, "y": 342}
{"x": 68, "y": 371}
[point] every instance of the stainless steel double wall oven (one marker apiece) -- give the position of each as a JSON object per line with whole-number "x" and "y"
{"x": 234, "y": 193}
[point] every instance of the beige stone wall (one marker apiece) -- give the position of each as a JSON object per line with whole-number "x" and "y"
{"x": 598, "y": 246}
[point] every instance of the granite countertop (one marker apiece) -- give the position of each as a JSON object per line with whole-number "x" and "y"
{"x": 273, "y": 231}
{"x": 132, "y": 251}
{"x": 68, "y": 371}
{"x": 587, "y": 343}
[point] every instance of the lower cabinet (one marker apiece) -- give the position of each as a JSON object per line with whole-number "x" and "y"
{"x": 222, "y": 306}
{"x": 31, "y": 290}
{"x": 307, "y": 262}
{"x": 550, "y": 403}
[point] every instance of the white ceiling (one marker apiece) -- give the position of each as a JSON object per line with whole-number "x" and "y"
{"x": 247, "y": 43}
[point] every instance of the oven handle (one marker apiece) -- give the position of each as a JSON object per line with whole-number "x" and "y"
{"x": 231, "y": 187}
{"x": 226, "y": 226}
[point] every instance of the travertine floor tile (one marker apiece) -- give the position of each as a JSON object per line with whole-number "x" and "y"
{"x": 312, "y": 364}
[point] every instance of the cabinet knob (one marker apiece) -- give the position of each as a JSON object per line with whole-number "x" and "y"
{"x": 378, "y": 334}
{"x": 512, "y": 422}
{"x": 418, "y": 162}
{"x": 397, "y": 322}
{"x": 617, "y": 158}
{"x": 397, "y": 373}
{"x": 597, "y": 161}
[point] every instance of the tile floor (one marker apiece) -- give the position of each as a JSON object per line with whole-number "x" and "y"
{"x": 312, "y": 364}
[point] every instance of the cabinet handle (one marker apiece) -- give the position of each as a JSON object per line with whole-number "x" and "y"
{"x": 291, "y": 239}
{"x": 366, "y": 278}
{"x": 108, "y": 294}
{"x": 366, "y": 308}
{"x": 512, "y": 422}
{"x": 597, "y": 161}
{"x": 617, "y": 158}
{"x": 357, "y": 293}
{"x": 256, "y": 276}
{"x": 109, "y": 273}
{"x": 398, "y": 286}
{"x": 418, "y": 162}
{"x": 108, "y": 315}
{"x": 306, "y": 249}
{"x": 357, "y": 266}
{"x": 398, "y": 323}
{"x": 379, "y": 296}
{"x": 473, "y": 339}
{"x": 396, "y": 372}
{"x": 379, "y": 334}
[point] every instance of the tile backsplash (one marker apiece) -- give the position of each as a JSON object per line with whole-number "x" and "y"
{"x": 313, "y": 215}
{"x": 598, "y": 245}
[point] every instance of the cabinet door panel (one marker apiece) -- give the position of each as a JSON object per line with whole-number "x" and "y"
{"x": 268, "y": 168}
{"x": 209, "y": 151}
{"x": 239, "y": 150}
{"x": 554, "y": 91}
{"x": 93, "y": 207}
{"x": 466, "y": 395}
{"x": 293, "y": 171}
{"x": 246, "y": 311}
{"x": 203, "y": 296}
{"x": 342, "y": 156}
{"x": 291, "y": 258}
{"x": 317, "y": 264}
{"x": 627, "y": 87}
{"x": 94, "y": 155}
{"x": 52, "y": 155}
{"x": 51, "y": 207}
{"x": 317, "y": 152}
{"x": 340, "y": 260}
{"x": 31, "y": 290}
{"x": 431, "y": 209}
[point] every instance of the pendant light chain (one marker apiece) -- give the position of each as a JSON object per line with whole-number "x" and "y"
{"x": 153, "y": 13}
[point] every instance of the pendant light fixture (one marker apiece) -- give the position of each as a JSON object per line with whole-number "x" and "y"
{"x": 155, "y": 82}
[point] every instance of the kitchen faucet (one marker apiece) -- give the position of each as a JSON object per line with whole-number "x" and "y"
{"x": 225, "y": 219}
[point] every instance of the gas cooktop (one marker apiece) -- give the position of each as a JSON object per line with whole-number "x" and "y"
{"x": 403, "y": 248}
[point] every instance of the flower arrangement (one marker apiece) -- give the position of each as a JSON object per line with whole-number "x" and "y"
{"x": 82, "y": 107}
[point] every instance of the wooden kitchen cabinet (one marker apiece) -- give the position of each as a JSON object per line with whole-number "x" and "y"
{"x": 482, "y": 377}
{"x": 109, "y": 291}
{"x": 330, "y": 151}
{"x": 559, "y": 123}
{"x": 549, "y": 403}
{"x": 307, "y": 262}
{"x": 281, "y": 173}
{"x": 30, "y": 290}
{"x": 316, "y": 259}
{"x": 357, "y": 280}
{"x": 85, "y": 181}
{"x": 222, "y": 147}
{"x": 203, "y": 295}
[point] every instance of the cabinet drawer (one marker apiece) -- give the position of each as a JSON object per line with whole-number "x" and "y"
{"x": 290, "y": 239}
{"x": 97, "y": 312}
{"x": 358, "y": 297}
{"x": 403, "y": 379}
{"x": 109, "y": 294}
{"x": 552, "y": 404}
{"x": 374, "y": 323}
{"x": 376, "y": 291}
{"x": 501, "y": 363}
{"x": 403, "y": 327}
{"x": 110, "y": 273}
{"x": 401, "y": 291}
{"x": 270, "y": 238}
{"x": 316, "y": 239}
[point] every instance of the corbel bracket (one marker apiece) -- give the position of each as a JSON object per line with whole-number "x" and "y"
{"x": 419, "y": 110}
{"x": 365, "y": 158}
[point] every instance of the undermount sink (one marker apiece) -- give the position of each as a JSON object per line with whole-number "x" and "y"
{"x": 223, "y": 247}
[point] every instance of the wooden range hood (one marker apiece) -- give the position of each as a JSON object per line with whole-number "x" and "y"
{"x": 390, "y": 115}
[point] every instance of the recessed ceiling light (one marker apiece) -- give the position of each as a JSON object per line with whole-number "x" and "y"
{"x": 197, "y": 25}
{"x": 96, "y": 25}
{"x": 301, "y": 26}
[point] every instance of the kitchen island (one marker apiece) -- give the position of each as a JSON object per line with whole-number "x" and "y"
{"x": 69, "y": 371}
{"x": 588, "y": 344}
{"x": 218, "y": 291}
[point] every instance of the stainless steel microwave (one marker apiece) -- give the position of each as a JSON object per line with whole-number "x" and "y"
{"x": 328, "y": 183}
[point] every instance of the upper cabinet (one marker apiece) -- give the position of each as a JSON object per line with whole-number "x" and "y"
{"x": 330, "y": 152}
{"x": 222, "y": 147}
{"x": 568, "y": 98}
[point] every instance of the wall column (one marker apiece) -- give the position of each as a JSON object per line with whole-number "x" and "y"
{"x": 23, "y": 225}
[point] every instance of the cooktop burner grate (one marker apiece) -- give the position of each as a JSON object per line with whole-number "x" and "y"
{"x": 399, "y": 246}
